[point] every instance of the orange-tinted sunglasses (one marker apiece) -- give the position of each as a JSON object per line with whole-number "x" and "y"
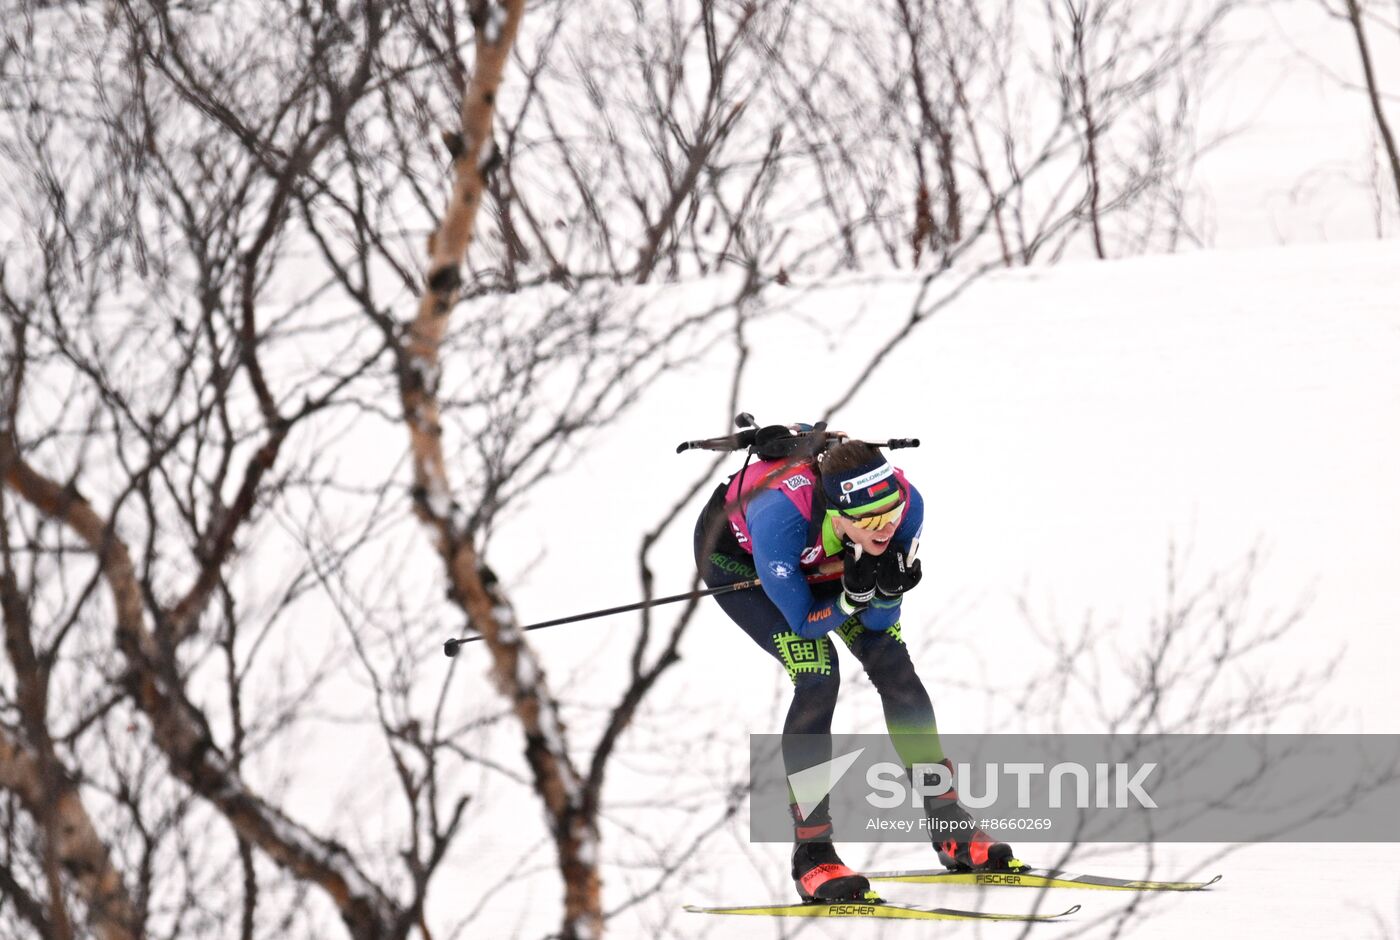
{"x": 880, "y": 519}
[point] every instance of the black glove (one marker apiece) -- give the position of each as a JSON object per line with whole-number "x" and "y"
{"x": 857, "y": 578}
{"x": 894, "y": 575}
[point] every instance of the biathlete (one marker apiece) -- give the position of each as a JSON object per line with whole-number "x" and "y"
{"x": 779, "y": 520}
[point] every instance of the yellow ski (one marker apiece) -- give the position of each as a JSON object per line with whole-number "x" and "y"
{"x": 1035, "y": 878}
{"x": 872, "y": 908}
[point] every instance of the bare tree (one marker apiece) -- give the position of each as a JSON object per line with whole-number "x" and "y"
{"x": 909, "y": 102}
{"x": 137, "y": 337}
{"x": 174, "y": 382}
{"x": 1374, "y": 28}
{"x": 1357, "y": 14}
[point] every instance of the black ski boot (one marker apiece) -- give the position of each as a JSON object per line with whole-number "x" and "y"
{"x": 820, "y": 875}
{"x": 979, "y": 853}
{"x": 959, "y": 843}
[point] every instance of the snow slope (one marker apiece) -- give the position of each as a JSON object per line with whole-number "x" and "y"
{"x": 1078, "y": 422}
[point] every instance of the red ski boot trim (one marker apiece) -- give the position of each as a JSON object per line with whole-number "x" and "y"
{"x": 821, "y": 874}
{"x": 813, "y": 833}
{"x": 972, "y": 853}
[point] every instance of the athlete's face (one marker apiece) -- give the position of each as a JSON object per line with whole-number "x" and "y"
{"x": 873, "y": 541}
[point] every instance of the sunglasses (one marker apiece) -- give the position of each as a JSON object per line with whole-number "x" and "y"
{"x": 878, "y": 520}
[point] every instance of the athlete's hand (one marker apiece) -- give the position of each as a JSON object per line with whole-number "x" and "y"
{"x": 858, "y": 573}
{"x": 895, "y": 574}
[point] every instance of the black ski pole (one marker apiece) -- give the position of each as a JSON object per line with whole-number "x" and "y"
{"x": 451, "y": 647}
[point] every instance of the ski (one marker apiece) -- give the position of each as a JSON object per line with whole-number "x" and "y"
{"x": 873, "y": 908}
{"x": 1036, "y": 878}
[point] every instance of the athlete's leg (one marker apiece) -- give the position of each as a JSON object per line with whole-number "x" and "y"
{"x": 908, "y": 710}
{"x": 817, "y": 870}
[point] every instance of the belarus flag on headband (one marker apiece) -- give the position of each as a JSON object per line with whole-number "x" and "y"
{"x": 878, "y": 488}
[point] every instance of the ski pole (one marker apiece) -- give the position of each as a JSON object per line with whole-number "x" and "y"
{"x": 451, "y": 647}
